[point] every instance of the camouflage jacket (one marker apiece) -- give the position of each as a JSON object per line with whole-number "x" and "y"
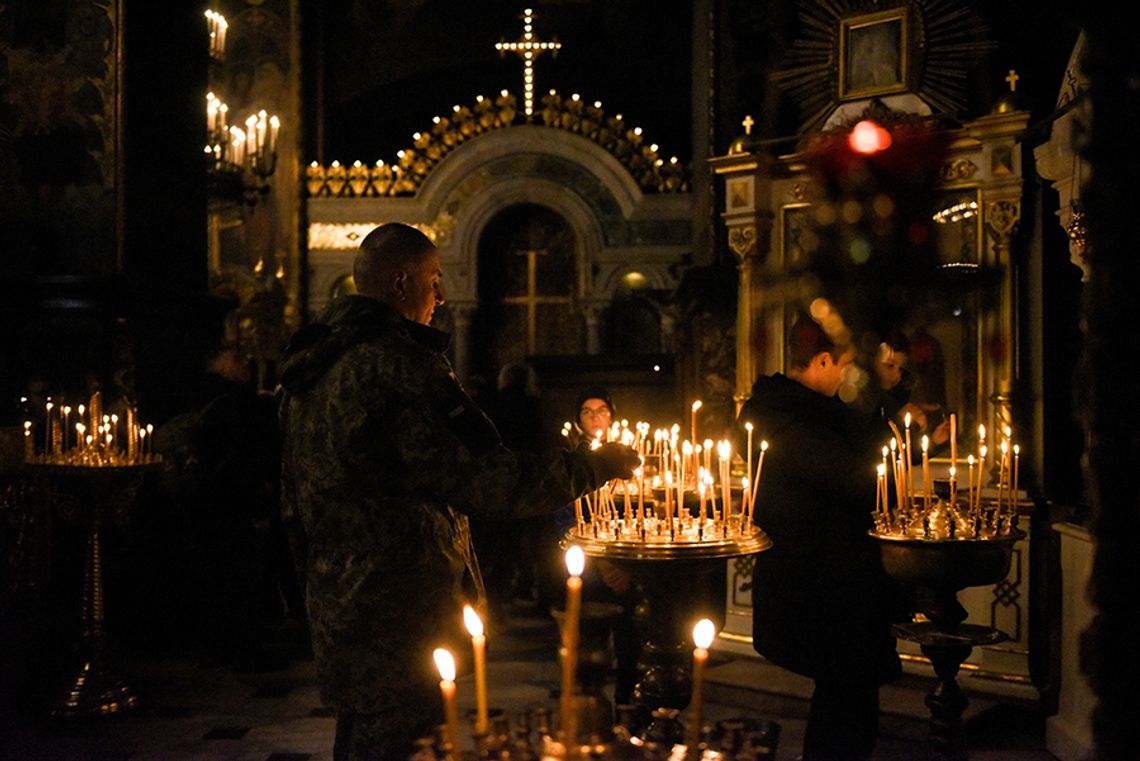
{"x": 384, "y": 456}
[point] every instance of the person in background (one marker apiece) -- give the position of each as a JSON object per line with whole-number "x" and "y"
{"x": 815, "y": 501}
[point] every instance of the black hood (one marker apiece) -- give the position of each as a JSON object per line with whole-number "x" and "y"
{"x": 347, "y": 321}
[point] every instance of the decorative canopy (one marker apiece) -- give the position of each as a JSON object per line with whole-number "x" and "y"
{"x": 651, "y": 172}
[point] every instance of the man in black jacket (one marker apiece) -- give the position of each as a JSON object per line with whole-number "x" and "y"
{"x": 822, "y": 603}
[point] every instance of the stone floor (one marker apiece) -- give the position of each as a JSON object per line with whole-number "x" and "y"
{"x": 192, "y": 713}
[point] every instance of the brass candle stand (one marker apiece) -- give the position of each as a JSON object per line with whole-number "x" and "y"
{"x": 668, "y": 573}
{"x": 941, "y": 564}
{"x": 92, "y": 495}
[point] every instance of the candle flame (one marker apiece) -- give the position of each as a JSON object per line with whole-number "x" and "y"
{"x": 925, "y": 444}
{"x": 687, "y": 448}
{"x": 744, "y": 483}
{"x": 1005, "y": 447}
{"x": 764, "y": 446}
{"x": 1016, "y": 450}
{"x": 703, "y": 633}
{"x": 445, "y": 662}
{"x": 894, "y": 443}
{"x": 882, "y": 469}
{"x": 885, "y": 451}
{"x": 906, "y": 420}
{"x": 970, "y": 460}
{"x": 1008, "y": 431}
{"x": 984, "y": 450}
{"x": 575, "y": 560}
{"x": 472, "y": 621}
{"x": 981, "y": 432}
{"x": 708, "y": 443}
{"x": 748, "y": 426}
{"x": 27, "y": 424}
{"x": 696, "y": 405}
{"x": 953, "y": 472}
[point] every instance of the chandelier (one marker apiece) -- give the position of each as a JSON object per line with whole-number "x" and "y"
{"x": 240, "y": 158}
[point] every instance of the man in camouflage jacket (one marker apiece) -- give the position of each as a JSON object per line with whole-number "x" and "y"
{"x": 384, "y": 457}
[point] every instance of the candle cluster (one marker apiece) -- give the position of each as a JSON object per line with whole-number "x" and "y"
{"x": 902, "y": 510}
{"x": 253, "y": 148}
{"x": 218, "y": 26}
{"x": 89, "y": 436}
{"x": 566, "y": 744}
{"x": 683, "y": 492}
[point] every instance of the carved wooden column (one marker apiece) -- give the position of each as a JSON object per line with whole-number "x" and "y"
{"x": 748, "y": 218}
{"x": 999, "y": 134}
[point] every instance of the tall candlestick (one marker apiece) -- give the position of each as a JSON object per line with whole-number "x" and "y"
{"x": 703, "y": 634}
{"x": 1014, "y": 496}
{"x": 693, "y": 430}
{"x": 575, "y": 564}
{"x": 927, "y": 486}
{"x": 445, "y": 662}
{"x": 756, "y": 481}
{"x": 474, "y": 626}
{"x": 953, "y": 439}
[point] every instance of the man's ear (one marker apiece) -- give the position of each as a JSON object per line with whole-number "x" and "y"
{"x": 822, "y": 360}
{"x": 400, "y": 284}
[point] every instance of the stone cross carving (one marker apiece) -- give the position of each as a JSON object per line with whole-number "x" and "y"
{"x": 529, "y": 48}
{"x": 532, "y": 298}
{"x": 1012, "y": 79}
{"x": 748, "y": 122}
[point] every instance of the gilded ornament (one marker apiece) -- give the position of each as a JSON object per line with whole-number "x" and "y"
{"x": 961, "y": 169}
{"x": 1002, "y": 218}
{"x": 742, "y": 239}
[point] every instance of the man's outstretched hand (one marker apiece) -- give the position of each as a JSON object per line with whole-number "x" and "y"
{"x": 611, "y": 461}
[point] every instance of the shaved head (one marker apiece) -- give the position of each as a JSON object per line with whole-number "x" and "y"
{"x": 384, "y": 252}
{"x": 399, "y": 265}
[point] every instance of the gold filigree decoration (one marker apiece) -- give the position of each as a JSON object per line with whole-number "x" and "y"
{"x": 742, "y": 239}
{"x": 651, "y": 172}
{"x": 1002, "y": 218}
{"x": 962, "y": 169}
{"x": 346, "y": 236}
{"x": 798, "y": 192}
{"x": 1078, "y": 229}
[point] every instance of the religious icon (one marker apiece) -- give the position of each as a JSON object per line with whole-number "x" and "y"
{"x": 872, "y": 54}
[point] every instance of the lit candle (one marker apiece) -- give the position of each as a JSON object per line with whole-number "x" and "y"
{"x": 748, "y": 427}
{"x": 1003, "y": 479}
{"x": 970, "y": 486}
{"x": 909, "y": 481}
{"x": 693, "y": 430}
{"x": 150, "y": 437}
{"x": 66, "y": 425}
{"x": 953, "y": 485}
{"x": 479, "y": 645}
{"x": 29, "y": 445}
{"x": 575, "y": 564}
{"x": 446, "y": 665}
{"x": 702, "y": 637}
{"x": 48, "y": 430}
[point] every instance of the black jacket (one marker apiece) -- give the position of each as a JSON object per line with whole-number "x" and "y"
{"x": 822, "y": 603}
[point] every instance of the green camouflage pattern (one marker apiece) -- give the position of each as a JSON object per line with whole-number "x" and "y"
{"x": 384, "y": 457}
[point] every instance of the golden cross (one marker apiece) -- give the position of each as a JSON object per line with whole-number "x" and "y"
{"x": 531, "y": 300}
{"x": 1012, "y": 79}
{"x": 748, "y": 122}
{"x": 529, "y": 48}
